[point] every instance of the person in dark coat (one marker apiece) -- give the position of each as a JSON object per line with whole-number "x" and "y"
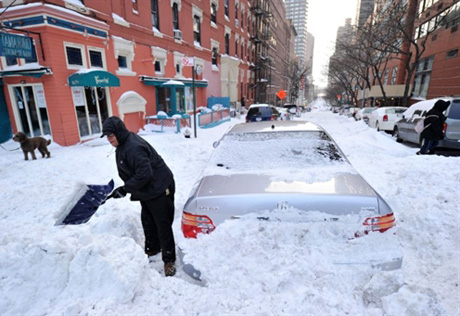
{"x": 150, "y": 181}
{"x": 433, "y": 127}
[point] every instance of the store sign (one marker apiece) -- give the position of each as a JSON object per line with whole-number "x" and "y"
{"x": 78, "y": 95}
{"x": 40, "y": 96}
{"x": 16, "y": 46}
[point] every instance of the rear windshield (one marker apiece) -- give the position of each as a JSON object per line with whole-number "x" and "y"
{"x": 260, "y": 111}
{"x": 265, "y": 151}
{"x": 454, "y": 111}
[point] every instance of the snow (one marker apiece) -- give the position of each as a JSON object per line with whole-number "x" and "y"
{"x": 173, "y": 83}
{"x": 249, "y": 266}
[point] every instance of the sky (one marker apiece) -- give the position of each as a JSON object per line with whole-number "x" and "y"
{"x": 248, "y": 267}
{"x": 324, "y": 18}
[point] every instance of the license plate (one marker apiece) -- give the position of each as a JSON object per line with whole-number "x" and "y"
{"x": 258, "y": 119}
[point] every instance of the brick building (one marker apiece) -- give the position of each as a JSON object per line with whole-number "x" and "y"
{"x": 97, "y": 58}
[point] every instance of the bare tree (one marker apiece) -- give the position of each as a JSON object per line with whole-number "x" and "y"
{"x": 296, "y": 76}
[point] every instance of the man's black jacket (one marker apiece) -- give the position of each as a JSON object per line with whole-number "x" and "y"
{"x": 144, "y": 172}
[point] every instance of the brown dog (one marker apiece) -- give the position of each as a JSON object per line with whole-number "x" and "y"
{"x": 29, "y": 144}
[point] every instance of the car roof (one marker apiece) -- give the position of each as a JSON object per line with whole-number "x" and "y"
{"x": 425, "y": 105}
{"x": 274, "y": 126}
{"x": 259, "y": 105}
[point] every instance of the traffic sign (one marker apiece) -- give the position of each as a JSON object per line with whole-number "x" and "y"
{"x": 281, "y": 94}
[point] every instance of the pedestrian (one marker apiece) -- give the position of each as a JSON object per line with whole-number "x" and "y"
{"x": 433, "y": 127}
{"x": 150, "y": 181}
{"x": 243, "y": 104}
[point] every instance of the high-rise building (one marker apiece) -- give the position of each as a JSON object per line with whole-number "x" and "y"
{"x": 363, "y": 11}
{"x": 297, "y": 11}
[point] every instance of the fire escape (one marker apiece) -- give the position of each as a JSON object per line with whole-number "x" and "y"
{"x": 260, "y": 37}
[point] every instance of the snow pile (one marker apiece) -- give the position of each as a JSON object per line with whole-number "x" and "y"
{"x": 250, "y": 266}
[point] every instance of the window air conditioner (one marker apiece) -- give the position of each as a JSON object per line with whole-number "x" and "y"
{"x": 178, "y": 34}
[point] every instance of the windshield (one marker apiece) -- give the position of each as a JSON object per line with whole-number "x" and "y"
{"x": 265, "y": 151}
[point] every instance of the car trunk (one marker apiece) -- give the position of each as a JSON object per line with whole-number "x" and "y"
{"x": 247, "y": 193}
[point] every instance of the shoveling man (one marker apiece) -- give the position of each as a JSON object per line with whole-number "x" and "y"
{"x": 149, "y": 180}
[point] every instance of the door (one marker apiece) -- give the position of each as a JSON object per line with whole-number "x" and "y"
{"x": 93, "y": 112}
{"x": 30, "y": 109}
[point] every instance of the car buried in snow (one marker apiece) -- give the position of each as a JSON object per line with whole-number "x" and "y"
{"x": 293, "y": 166}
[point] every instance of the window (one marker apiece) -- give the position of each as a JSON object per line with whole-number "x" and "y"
{"x": 122, "y": 63}
{"x": 124, "y": 53}
{"x": 197, "y": 29}
{"x": 422, "y": 77}
{"x": 242, "y": 50}
{"x": 213, "y": 12}
{"x": 236, "y": 14}
{"x": 157, "y": 66}
{"x": 11, "y": 60}
{"x": 214, "y": 56}
{"x": 134, "y": 5}
{"x": 242, "y": 16}
{"x": 227, "y": 44}
{"x": 155, "y": 17}
{"x": 236, "y": 48}
{"x": 178, "y": 57}
{"x": 385, "y": 77}
{"x": 175, "y": 16}
{"x": 160, "y": 55}
{"x": 95, "y": 59}
{"x": 452, "y": 53}
{"x": 249, "y": 23}
{"x": 226, "y": 8}
{"x": 33, "y": 58}
{"x": 74, "y": 56}
{"x": 393, "y": 75}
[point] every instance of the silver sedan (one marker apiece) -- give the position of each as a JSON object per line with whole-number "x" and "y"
{"x": 273, "y": 169}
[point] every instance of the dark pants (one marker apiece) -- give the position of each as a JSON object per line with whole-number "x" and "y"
{"x": 428, "y": 145}
{"x": 157, "y": 216}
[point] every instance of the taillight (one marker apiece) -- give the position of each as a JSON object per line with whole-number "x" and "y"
{"x": 377, "y": 223}
{"x": 192, "y": 225}
{"x": 272, "y": 117}
{"x": 385, "y": 118}
{"x": 444, "y": 127}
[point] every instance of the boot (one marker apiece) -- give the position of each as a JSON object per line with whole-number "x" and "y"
{"x": 170, "y": 268}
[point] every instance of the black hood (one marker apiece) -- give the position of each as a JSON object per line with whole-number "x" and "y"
{"x": 441, "y": 105}
{"x": 114, "y": 125}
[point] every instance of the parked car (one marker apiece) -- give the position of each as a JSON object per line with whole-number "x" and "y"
{"x": 285, "y": 115}
{"x": 352, "y": 112}
{"x": 262, "y": 112}
{"x": 364, "y": 113}
{"x": 404, "y": 129}
{"x": 293, "y": 109}
{"x": 384, "y": 119}
{"x": 296, "y": 167}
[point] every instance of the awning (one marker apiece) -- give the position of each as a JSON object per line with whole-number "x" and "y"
{"x": 159, "y": 82}
{"x": 94, "y": 78}
{"x": 36, "y": 73}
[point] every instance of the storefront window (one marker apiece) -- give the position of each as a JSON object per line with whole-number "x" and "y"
{"x": 31, "y": 106}
{"x": 92, "y": 109}
{"x": 180, "y": 100}
{"x": 164, "y": 100}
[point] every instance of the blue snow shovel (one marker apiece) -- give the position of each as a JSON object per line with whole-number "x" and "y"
{"x": 87, "y": 202}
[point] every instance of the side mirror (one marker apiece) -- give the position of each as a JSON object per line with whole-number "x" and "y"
{"x": 292, "y": 110}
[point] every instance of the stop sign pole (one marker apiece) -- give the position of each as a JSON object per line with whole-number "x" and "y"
{"x": 190, "y": 62}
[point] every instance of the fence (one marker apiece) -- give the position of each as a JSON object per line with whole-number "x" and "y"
{"x": 165, "y": 121}
{"x": 210, "y": 119}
